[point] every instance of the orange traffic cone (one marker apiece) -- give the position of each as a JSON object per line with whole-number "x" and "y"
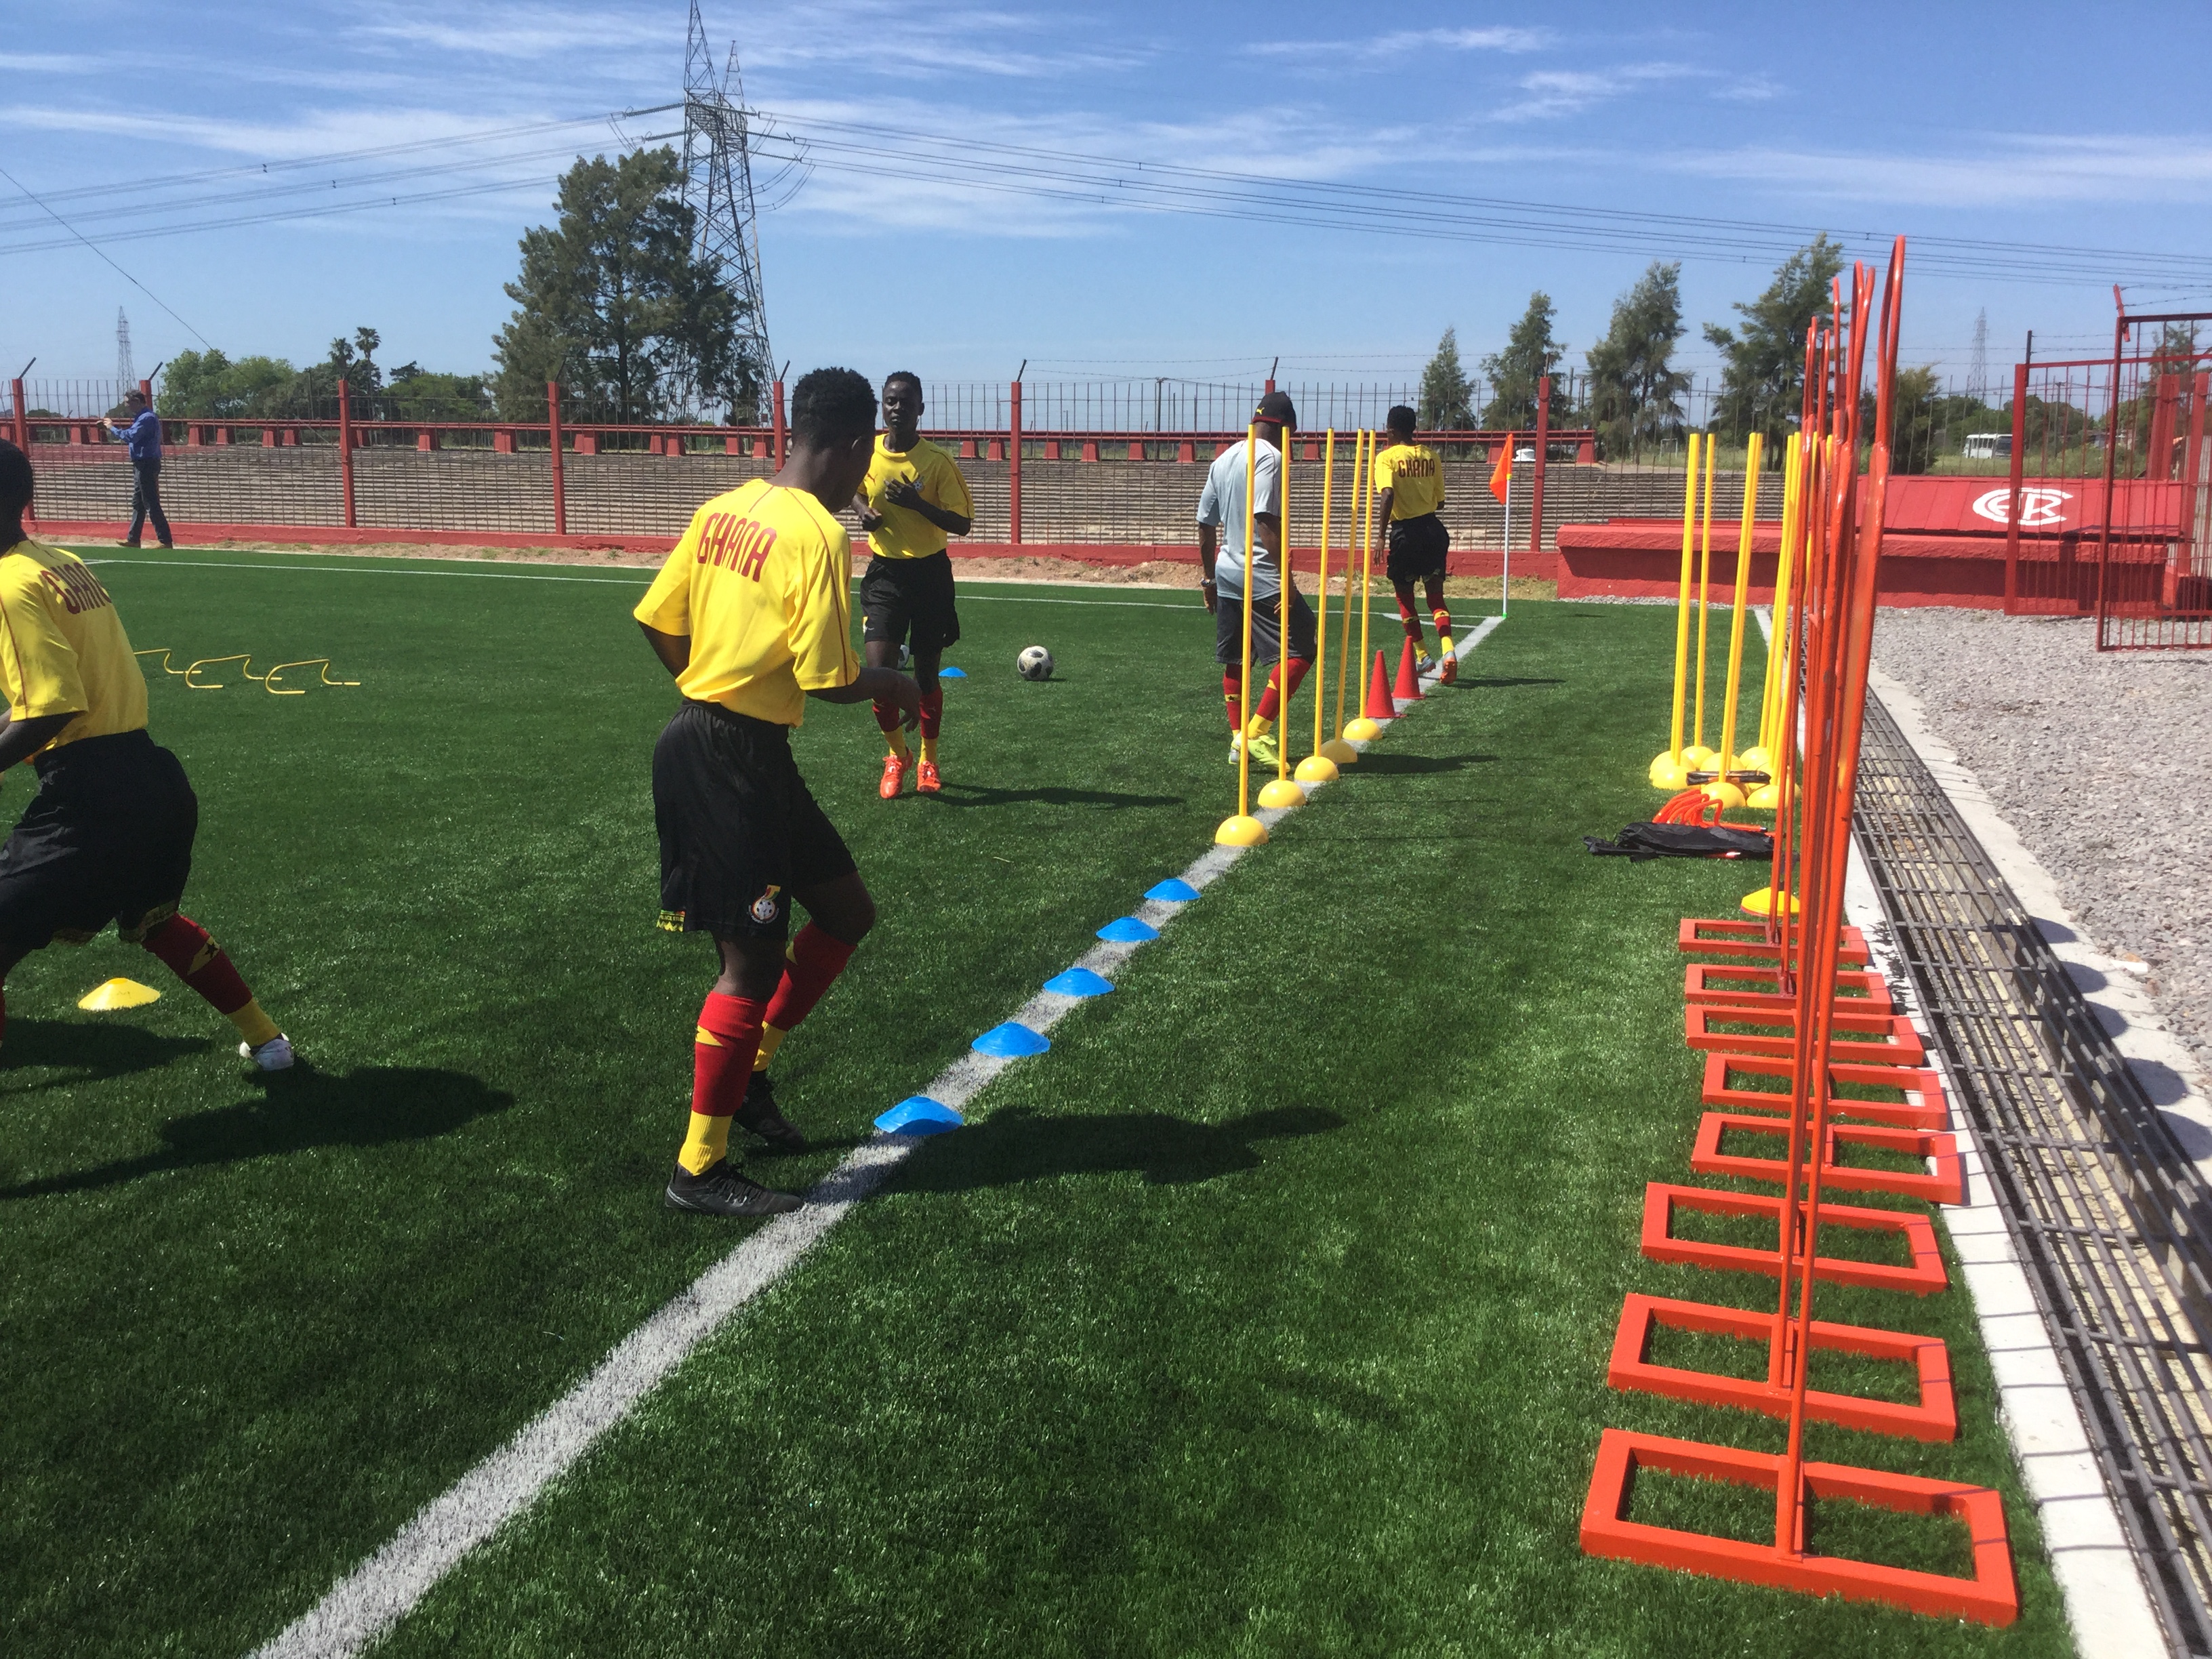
{"x": 1408, "y": 689}
{"x": 1379, "y": 706}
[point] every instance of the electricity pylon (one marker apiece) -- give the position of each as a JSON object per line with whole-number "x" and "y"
{"x": 718, "y": 186}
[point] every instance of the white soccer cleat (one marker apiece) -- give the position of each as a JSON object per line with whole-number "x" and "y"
{"x": 274, "y": 1055}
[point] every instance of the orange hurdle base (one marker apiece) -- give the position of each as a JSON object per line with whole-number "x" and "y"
{"x": 1935, "y": 1418}
{"x": 1735, "y": 937}
{"x": 1730, "y": 982}
{"x": 1990, "y": 1597}
{"x": 1874, "y": 1039}
{"x": 1924, "y": 1107}
{"x": 1923, "y": 1278}
{"x": 1946, "y": 1186}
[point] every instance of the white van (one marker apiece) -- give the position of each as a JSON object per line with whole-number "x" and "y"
{"x": 1987, "y": 446}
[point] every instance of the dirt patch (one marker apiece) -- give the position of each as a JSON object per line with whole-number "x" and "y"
{"x": 448, "y": 550}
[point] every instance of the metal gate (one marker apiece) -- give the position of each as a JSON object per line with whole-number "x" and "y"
{"x": 2110, "y": 513}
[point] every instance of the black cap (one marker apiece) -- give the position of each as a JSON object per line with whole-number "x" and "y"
{"x": 1276, "y": 409}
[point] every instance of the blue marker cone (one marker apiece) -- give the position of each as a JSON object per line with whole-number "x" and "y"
{"x": 953, "y": 673}
{"x": 917, "y": 1115}
{"x": 1174, "y": 890}
{"x": 1011, "y": 1041}
{"x": 1127, "y": 930}
{"x": 1079, "y": 982}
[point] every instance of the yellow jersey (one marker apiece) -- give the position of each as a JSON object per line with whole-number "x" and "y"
{"x": 904, "y": 533}
{"x": 762, "y": 585}
{"x": 63, "y": 650}
{"x": 1412, "y": 471}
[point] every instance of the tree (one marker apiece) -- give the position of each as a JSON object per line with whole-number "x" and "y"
{"x": 415, "y": 393}
{"x": 1763, "y": 371}
{"x": 1530, "y": 354}
{"x": 611, "y": 303}
{"x": 1635, "y": 391}
{"x": 208, "y": 385}
{"x": 1447, "y": 399}
{"x": 355, "y": 362}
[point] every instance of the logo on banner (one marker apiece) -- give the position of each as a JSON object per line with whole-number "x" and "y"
{"x": 2039, "y": 508}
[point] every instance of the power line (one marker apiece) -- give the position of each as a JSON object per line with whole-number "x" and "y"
{"x": 118, "y": 270}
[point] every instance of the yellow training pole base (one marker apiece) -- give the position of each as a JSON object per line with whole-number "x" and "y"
{"x": 1754, "y": 759}
{"x": 1315, "y": 768}
{"x": 1755, "y": 903}
{"x": 1282, "y": 793}
{"x": 1699, "y": 758}
{"x": 1668, "y": 773}
{"x": 1728, "y": 794}
{"x": 1337, "y": 750}
{"x": 1362, "y": 729}
{"x": 1240, "y": 831}
{"x": 118, "y": 993}
{"x": 1767, "y": 798}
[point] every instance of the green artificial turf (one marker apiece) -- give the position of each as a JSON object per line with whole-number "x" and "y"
{"x": 1268, "y": 1313}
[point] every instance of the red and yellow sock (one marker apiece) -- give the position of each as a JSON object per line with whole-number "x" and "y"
{"x": 1271, "y": 705}
{"x": 184, "y": 948}
{"x": 1442, "y": 618}
{"x": 1408, "y": 618}
{"x": 893, "y": 725}
{"x": 933, "y": 722}
{"x": 1232, "y": 694}
{"x": 812, "y": 964}
{"x": 721, "y": 1066}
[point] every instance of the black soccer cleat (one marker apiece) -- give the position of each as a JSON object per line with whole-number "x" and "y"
{"x": 723, "y": 1190}
{"x": 759, "y": 1116}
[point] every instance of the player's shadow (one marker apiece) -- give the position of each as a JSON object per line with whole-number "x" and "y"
{"x": 1372, "y": 764}
{"x": 302, "y": 1110}
{"x": 1019, "y": 1144}
{"x": 85, "y": 1053}
{"x": 978, "y": 794}
{"x": 1463, "y": 682}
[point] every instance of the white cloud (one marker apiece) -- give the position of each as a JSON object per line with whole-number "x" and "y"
{"x": 1553, "y": 92}
{"x": 52, "y": 63}
{"x": 1978, "y": 170}
{"x": 1400, "y": 43}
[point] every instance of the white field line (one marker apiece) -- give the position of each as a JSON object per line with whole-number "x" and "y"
{"x": 2098, "y": 1579}
{"x": 385, "y": 1588}
{"x": 641, "y": 578}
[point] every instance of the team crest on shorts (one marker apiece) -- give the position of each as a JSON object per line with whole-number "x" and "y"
{"x": 764, "y": 906}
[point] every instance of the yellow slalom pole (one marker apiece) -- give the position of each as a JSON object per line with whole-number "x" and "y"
{"x": 1364, "y": 508}
{"x": 1282, "y": 792}
{"x": 1668, "y": 771}
{"x": 1321, "y": 766}
{"x": 1759, "y": 758}
{"x": 1720, "y": 789}
{"x": 1344, "y": 664}
{"x": 1697, "y": 757}
{"x": 1244, "y": 829}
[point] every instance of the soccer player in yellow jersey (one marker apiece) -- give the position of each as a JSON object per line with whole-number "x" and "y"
{"x": 913, "y": 498}
{"x": 1409, "y": 488}
{"x": 752, "y": 616}
{"x": 108, "y": 837}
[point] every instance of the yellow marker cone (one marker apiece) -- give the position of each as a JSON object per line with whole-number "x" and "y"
{"x": 117, "y": 994}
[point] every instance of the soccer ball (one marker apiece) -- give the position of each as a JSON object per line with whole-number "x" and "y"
{"x": 1035, "y": 663}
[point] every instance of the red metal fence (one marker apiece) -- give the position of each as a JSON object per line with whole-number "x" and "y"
{"x": 2116, "y": 521}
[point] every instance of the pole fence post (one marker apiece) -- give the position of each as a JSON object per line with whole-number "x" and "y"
{"x": 2012, "y": 508}
{"x": 553, "y": 440}
{"x": 1014, "y": 465}
{"x": 345, "y": 450}
{"x": 776, "y": 423}
{"x": 1536, "y": 490}
{"x": 22, "y": 416}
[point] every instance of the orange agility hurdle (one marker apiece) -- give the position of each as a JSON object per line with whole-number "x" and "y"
{"x": 1924, "y": 1107}
{"x": 1733, "y": 936}
{"x": 1947, "y": 1185}
{"x": 1924, "y": 1276}
{"x": 1880, "y": 1039}
{"x": 1733, "y": 983}
{"x": 1933, "y": 1415}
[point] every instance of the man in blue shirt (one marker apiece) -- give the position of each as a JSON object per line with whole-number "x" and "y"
{"x": 143, "y": 435}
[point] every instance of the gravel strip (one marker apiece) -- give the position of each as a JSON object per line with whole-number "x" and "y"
{"x": 2102, "y": 761}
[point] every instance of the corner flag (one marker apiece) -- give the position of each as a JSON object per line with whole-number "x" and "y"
{"x": 1501, "y": 475}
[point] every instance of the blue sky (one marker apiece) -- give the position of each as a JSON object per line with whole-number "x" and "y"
{"x": 2041, "y": 125}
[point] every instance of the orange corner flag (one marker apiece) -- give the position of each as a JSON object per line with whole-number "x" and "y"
{"x": 1501, "y": 475}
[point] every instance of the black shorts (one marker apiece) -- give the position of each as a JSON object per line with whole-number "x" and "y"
{"x": 738, "y": 830}
{"x": 108, "y": 838}
{"x": 1266, "y": 634}
{"x": 1417, "y": 547}
{"x": 901, "y": 595}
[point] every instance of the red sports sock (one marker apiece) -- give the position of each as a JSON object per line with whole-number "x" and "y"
{"x": 1407, "y": 614}
{"x": 816, "y": 958}
{"x": 932, "y": 714}
{"x": 1232, "y": 693}
{"x": 889, "y": 718}
{"x": 186, "y": 950}
{"x": 1269, "y": 702}
{"x": 722, "y": 1053}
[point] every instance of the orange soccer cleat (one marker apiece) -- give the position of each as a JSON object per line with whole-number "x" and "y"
{"x": 894, "y": 770}
{"x": 925, "y": 778}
